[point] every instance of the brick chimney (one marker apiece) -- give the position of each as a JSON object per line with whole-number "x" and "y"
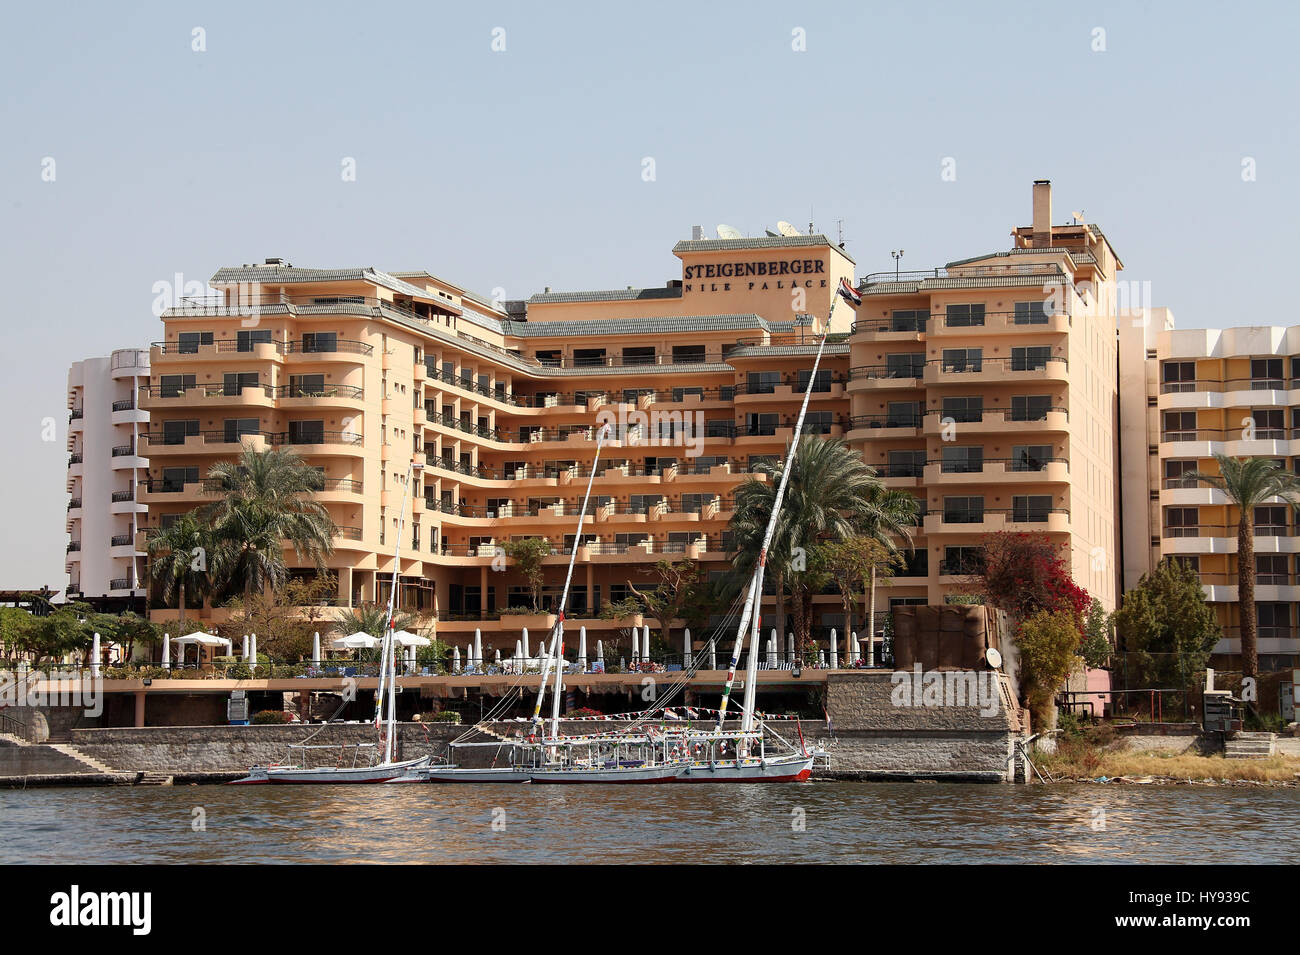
{"x": 1042, "y": 238}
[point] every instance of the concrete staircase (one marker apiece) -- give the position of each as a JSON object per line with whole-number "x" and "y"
{"x": 73, "y": 753}
{"x": 1250, "y": 746}
{"x": 154, "y": 779}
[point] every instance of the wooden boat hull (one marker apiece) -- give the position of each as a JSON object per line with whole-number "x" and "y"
{"x": 457, "y": 774}
{"x": 327, "y": 775}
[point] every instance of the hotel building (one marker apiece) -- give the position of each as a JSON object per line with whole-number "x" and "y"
{"x": 1191, "y": 394}
{"x": 104, "y": 566}
{"x": 987, "y": 388}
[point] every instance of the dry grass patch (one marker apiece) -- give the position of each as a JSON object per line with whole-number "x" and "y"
{"x": 1080, "y": 757}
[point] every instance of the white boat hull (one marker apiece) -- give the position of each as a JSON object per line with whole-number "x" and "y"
{"x": 614, "y": 774}
{"x": 458, "y": 774}
{"x": 781, "y": 769}
{"x": 279, "y": 775}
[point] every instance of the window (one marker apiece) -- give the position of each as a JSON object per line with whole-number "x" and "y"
{"x": 1030, "y": 357}
{"x": 910, "y": 365}
{"x": 1179, "y": 426}
{"x": 1270, "y": 424}
{"x": 588, "y": 356}
{"x": 1271, "y": 570}
{"x": 175, "y": 432}
{"x": 1178, "y": 376}
{"x": 1030, "y": 407}
{"x": 763, "y": 382}
{"x": 320, "y": 341}
{"x": 958, "y": 561}
{"x": 175, "y": 479}
{"x": 817, "y": 422}
{"x": 234, "y": 383}
{"x": 680, "y": 393}
{"x": 306, "y": 432}
{"x": 822, "y": 384}
{"x": 300, "y": 385}
{"x": 1031, "y": 508}
{"x": 694, "y": 503}
{"x": 1176, "y": 473}
{"x": 237, "y": 428}
{"x": 762, "y": 423}
{"x": 1270, "y": 520}
{"x": 903, "y": 414}
{"x": 905, "y": 464}
{"x": 638, "y": 355}
{"x": 1274, "y": 619}
{"x": 246, "y": 339}
{"x": 189, "y": 342}
{"x": 1265, "y": 373}
{"x": 173, "y": 386}
{"x": 1182, "y": 522}
{"x": 719, "y": 428}
{"x": 963, "y": 510}
{"x": 964, "y": 409}
{"x": 690, "y": 354}
{"x": 1030, "y": 457}
{"x": 1031, "y": 313}
{"x": 964, "y": 316}
{"x": 908, "y": 320}
{"x": 963, "y": 359}
{"x": 963, "y": 459}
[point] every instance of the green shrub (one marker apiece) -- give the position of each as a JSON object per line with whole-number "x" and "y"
{"x": 442, "y": 716}
{"x": 271, "y": 718}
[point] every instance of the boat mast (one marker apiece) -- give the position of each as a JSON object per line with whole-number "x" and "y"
{"x": 754, "y": 599}
{"x": 387, "y": 665}
{"x": 556, "y": 650}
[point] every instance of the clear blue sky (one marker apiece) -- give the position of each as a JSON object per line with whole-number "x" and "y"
{"x": 523, "y": 168}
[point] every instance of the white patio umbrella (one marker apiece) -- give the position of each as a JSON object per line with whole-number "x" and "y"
{"x": 498, "y": 658}
{"x": 254, "y": 663}
{"x": 455, "y": 659}
{"x": 789, "y": 648}
{"x": 686, "y": 649}
{"x": 519, "y": 650}
{"x": 197, "y": 639}
{"x": 355, "y": 641}
{"x": 645, "y": 643}
{"x": 582, "y": 649}
{"x": 525, "y": 642}
{"x": 94, "y": 657}
{"x": 167, "y": 651}
{"x": 315, "y": 647}
{"x": 404, "y": 638}
{"x": 821, "y": 659}
{"x": 713, "y": 655}
{"x": 835, "y": 650}
{"x": 600, "y": 653}
{"x": 771, "y": 649}
{"x": 248, "y": 645}
{"x": 478, "y": 646}
{"x": 855, "y": 652}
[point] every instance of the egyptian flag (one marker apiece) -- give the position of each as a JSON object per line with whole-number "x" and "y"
{"x": 849, "y": 293}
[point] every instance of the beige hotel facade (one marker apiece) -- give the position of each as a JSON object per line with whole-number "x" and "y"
{"x": 989, "y": 388}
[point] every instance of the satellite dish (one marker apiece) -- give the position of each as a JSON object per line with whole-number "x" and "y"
{"x": 993, "y": 658}
{"x": 1078, "y": 216}
{"x": 786, "y": 228}
{"x": 729, "y": 232}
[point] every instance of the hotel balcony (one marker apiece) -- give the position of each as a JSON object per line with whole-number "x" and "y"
{"x": 206, "y": 442}
{"x": 214, "y": 397}
{"x": 883, "y": 377}
{"x": 887, "y": 330}
{"x": 174, "y": 352}
{"x": 1222, "y": 539}
{"x": 996, "y": 421}
{"x": 1207, "y": 442}
{"x": 992, "y": 324}
{"x": 989, "y": 520}
{"x": 125, "y": 411}
{"x": 1231, "y": 393}
{"x": 892, "y": 426}
{"x": 998, "y": 471}
{"x": 996, "y": 371}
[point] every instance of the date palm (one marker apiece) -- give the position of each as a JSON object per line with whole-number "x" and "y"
{"x": 1247, "y": 483}
{"x": 828, "y": 496}
{"x": 265, "y": 501}
{"x": 888, "y": 517}
{"x": 178, "y": 558}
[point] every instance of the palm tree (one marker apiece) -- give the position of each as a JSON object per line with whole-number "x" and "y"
{"x": 828, "y": 496}
{"x": 370, "y": 618}
{"x": 888, "y": 517}
{"x": 265, "y": 503}
{"x": 1247, "y": 483}
{"x": 178, "y": 556}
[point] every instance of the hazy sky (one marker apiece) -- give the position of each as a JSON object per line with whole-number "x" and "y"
{"x": 524, "y": 168}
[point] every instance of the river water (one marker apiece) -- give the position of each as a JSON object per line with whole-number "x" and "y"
{"x": 811, "y": 822}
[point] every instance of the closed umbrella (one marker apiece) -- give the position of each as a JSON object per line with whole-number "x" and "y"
{"x": 315, "y": 647}
{"x": 248, "y": 646}
{"x": 789, "y": 648}
{"x": 645, "y": 643}
{"x": 167, "y": 651}
{"x": 498, "y": 658}
{"x": 478, "y": 646}
{"x": 455, "y": 659}
{"x": 771, "y": 649}
{"x": 525, "y": 642}
{"x": 94, "y": 657}
{"x": 600, "y": 653}
{"x": 713, "y": 656}
{"x": 254, "y": 663}
{"x": 686, "y": 649}
{"x": 835, "y": 650}
{"x": 821, "y": 659}
{"x": 582, "y": 649}
{"x": 855, "y": 652}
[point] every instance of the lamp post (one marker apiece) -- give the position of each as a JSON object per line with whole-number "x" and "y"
{"x": 897, "y": 254}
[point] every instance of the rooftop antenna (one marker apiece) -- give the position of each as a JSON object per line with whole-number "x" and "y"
{"x": 811, "y": 230}
{"x": 839, "y": 226}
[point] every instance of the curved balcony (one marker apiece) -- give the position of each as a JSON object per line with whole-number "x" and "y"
{"x": 999, "y": 471}
{"x": 992, "y": 324}
{"x": 996, "y": 371}
{"x": 880, "y": 377}
{"x": 996, "y": 421}
{"x": 989, "y": 520}
{"x": 167, "y": 397}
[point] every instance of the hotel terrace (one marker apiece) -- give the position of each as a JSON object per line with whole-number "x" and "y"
{"x": 987, "y": 388}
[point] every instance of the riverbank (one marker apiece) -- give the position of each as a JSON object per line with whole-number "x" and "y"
{"x": 1098, "y": 755}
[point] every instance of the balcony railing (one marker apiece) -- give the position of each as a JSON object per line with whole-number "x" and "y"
{"x": 911, "y": 372}
{"x": 124, "y": 404}
{"x": 119, "y": 583}
{"x": 1230, "y": 434}
{"x": 292, "y": 347}
{"x": 1263, "y": 383}
{"x": 1017, "y": 515}
{"x": 120, "y": 540}
{"x": 970, "y": 416}
{"x": 273, "y": 437}
{"x": 120, "y": 497}
{"x": 74, "y": 503}
{"x": 74, "y": 458}
{"x": 1009, "y": 363}
{"x": 123, "y": 450}
{"x": 886, "y": 421}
